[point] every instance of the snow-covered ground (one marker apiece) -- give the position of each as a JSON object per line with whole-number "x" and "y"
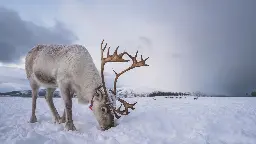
{"x": 160, "y": 121}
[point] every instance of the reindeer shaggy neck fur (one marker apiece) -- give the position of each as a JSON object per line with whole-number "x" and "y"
{"x": 71, "y": 69}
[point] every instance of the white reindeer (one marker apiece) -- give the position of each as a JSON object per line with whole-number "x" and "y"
{"x": 71, "y": 69}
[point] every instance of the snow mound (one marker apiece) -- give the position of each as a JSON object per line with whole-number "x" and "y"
{"x": 130, "y": 92}
{"x": 160, "y": 121}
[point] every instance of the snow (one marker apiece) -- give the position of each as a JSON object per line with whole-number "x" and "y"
{"x": 207, "y": 120}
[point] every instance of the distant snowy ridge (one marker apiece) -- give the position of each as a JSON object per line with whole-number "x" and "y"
{"x": 121, "y": 92}
{"x": 124, "y": 92}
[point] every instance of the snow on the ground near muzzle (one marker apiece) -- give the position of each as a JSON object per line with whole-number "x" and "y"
{"x": 160, "y": 121}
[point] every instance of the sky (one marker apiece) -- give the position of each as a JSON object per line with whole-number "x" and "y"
{"x": 199, "y": 45}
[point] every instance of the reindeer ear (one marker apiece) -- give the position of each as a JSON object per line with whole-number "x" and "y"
{"x": 98, "y": 95}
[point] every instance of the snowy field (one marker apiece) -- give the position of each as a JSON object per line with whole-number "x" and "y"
{"x": 160, "y": 121}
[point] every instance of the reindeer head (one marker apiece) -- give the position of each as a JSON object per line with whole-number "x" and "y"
{"x": 101, "y": 108}
{"x": 104, "y": 109}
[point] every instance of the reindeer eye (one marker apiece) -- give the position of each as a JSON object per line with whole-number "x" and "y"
{"x": 104, "y": 109}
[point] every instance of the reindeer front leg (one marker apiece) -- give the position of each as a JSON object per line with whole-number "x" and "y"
{"x": 50, "y": 103}
{"x": 63, "y": 118}
{"x": 65, "y": 92}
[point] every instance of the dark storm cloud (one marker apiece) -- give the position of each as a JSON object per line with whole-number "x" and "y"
{"x": 219, "y": 41}
{"x": 145, "y": 40}
{"x": 224, "y": 44}
{"x": 18, "y": 36}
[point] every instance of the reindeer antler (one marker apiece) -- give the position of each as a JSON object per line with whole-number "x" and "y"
{"x": 119, "y": 58}
{"x": 110, "y": 58}
{"x": 134, "y": 64}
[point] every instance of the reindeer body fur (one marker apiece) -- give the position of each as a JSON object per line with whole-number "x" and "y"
{"x": 50, "y": 65}
{"x": 71, "y": 69}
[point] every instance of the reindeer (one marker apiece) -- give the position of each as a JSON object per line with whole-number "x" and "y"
{"x": 71, "y": 69}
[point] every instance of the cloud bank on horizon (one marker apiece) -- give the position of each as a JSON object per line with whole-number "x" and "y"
{"x": 12, "y": 79}
{"x": 201, "y": 45}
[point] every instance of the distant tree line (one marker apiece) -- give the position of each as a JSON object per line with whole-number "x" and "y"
{"x": 28, "y": 93}
{"x": 16, "y": 94}
{"x": 253, "y": 93}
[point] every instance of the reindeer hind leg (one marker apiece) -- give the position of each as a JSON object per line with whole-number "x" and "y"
{"x": 34, "y": 88}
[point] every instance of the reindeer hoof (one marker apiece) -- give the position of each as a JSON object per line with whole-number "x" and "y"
{"x": 57, "y": 120}
{"x": 33, "y": 119}
{"x": 70, "y": 126}
{"x": 62, "y": 120}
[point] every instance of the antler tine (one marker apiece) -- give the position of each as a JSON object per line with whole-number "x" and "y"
{"x": 102, "y": 42}
{"x": 136, "y": 54}
{"x": 115, "y": 53}
{"x": 126, "y": 106}
{"x": 142, "y": 62}
{"x": 145, "y": 61}
{"x": 131, "y": 57}
{"x": 105, "y": 46}
{"x": 116, "y": 115}
{"x": 117, "y": 111}
{"x": 115, "y": 72}
{"x": 108, "y": 52}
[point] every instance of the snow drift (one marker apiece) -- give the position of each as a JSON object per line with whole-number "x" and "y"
{"x": 161, "y": 121}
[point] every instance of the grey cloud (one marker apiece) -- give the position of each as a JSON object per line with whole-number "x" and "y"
{"x": 144, "y": 43}
{"x": 176, "y": 55}
{"x": 7, "y": 51}
{"x": 145, "y": 40}
{"x": 18, "y": 36}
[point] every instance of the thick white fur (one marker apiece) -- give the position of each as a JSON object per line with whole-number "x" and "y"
{"x": 68, "y": 64}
